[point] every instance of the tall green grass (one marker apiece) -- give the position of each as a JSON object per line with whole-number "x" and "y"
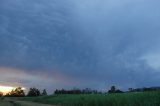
{"x": 126, "y": 99}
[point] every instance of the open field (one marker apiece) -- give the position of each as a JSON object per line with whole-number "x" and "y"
{"x": 15, "y": 102}
{"x": 4, "y": 103}
{"x": 126, "y": 99}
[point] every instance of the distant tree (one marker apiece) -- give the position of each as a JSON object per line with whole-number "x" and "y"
{"x": 33, "y": 92}
{"x": 138, "y": 90}
{"x": 44, "y": 93}
{"x": 148, "y": 89}
{"x": 76, "y": 91}
{"x": 87, "y": 91}
{"x": 1, "y": 94}
{"x": 130, "y": 89}
{"x": 18, "y": 92}
{"x": 118, "y": 91}
{"x": 56, "y": 91}
{"x": 114, "y": 90}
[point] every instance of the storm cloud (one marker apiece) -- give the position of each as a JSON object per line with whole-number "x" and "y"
{"x": 80, "y": 43}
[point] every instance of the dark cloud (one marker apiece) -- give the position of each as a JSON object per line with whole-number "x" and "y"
{"x": 89, "y": 42}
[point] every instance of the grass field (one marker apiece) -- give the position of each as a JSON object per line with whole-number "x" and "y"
{"x": 4, "y": 103}
{"x": 15, "y": 102}
{"x": 126, "y": 99}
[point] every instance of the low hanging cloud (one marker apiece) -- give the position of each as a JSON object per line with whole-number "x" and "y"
{"x": 81, "y": 43}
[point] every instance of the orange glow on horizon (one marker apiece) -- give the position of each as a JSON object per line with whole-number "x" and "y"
{"x": 7, "y": 89}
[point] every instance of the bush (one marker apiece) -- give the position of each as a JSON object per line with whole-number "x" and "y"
{"x": 18, "y": 92}
{"x": 33, "y": 92}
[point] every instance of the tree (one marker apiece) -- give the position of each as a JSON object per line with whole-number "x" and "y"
{"x": 56, "y": 91}
{"x": 114, "y": 90}
{"x": 18, "y": 92}
{"x": 33, "y": 92}
{"x": 76, "y": 91}
{"x": 118, "y": 91}
{"x": 1, "y": 94}
{"x": 130, "y": 89}
{"x": 44, "y": 93}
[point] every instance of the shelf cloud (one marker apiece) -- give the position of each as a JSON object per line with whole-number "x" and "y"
{"x": 79, "y": 43}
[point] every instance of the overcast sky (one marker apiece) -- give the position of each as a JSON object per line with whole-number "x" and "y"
{"x": 79, "y": 43}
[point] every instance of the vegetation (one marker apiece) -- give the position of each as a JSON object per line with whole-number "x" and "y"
{"x": 18, "y": 92}
{"x": 1, "y": 94}
{"x": 44, "y": 93}
{"x": 114, "y": 90}
{"x": 13, "y": 102}
{"x": 34, "y": 92}
{"x": 88, "y": 97}
{"x": 77, "y": 91}
{"x": 116, "y": 99}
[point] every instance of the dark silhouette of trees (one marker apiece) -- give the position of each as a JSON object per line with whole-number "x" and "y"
{"x": 88, "y": 91}
{"x": 145, "y": 89}
{"x": 76, "y": 91}
{"x": 44, "y": 93}
{"x": 119, "y": 91}
{"x": 18, "y": 92}
{"x": 33, "y": 92}
{"x": 114, "y": 90}
{"x": 130, "y": 89}
{"x": 1, "y": 94}
{"x": 63, "y": 91}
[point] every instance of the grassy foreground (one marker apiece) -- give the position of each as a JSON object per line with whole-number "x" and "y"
{"x": 15, "y": 102}
{"x": 126, "y": 99}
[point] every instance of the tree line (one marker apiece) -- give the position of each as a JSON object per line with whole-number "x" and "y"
{"x": 19, "y": 92}
{"x": 33, "y": 92}
{"x": 77, "y": 91}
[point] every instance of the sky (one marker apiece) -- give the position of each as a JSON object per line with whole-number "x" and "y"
{"x": 56, "y": 44}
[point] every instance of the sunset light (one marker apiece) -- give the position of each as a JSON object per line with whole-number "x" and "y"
{"x": 80, "y": 52}
{"x": 6, "y": 89}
